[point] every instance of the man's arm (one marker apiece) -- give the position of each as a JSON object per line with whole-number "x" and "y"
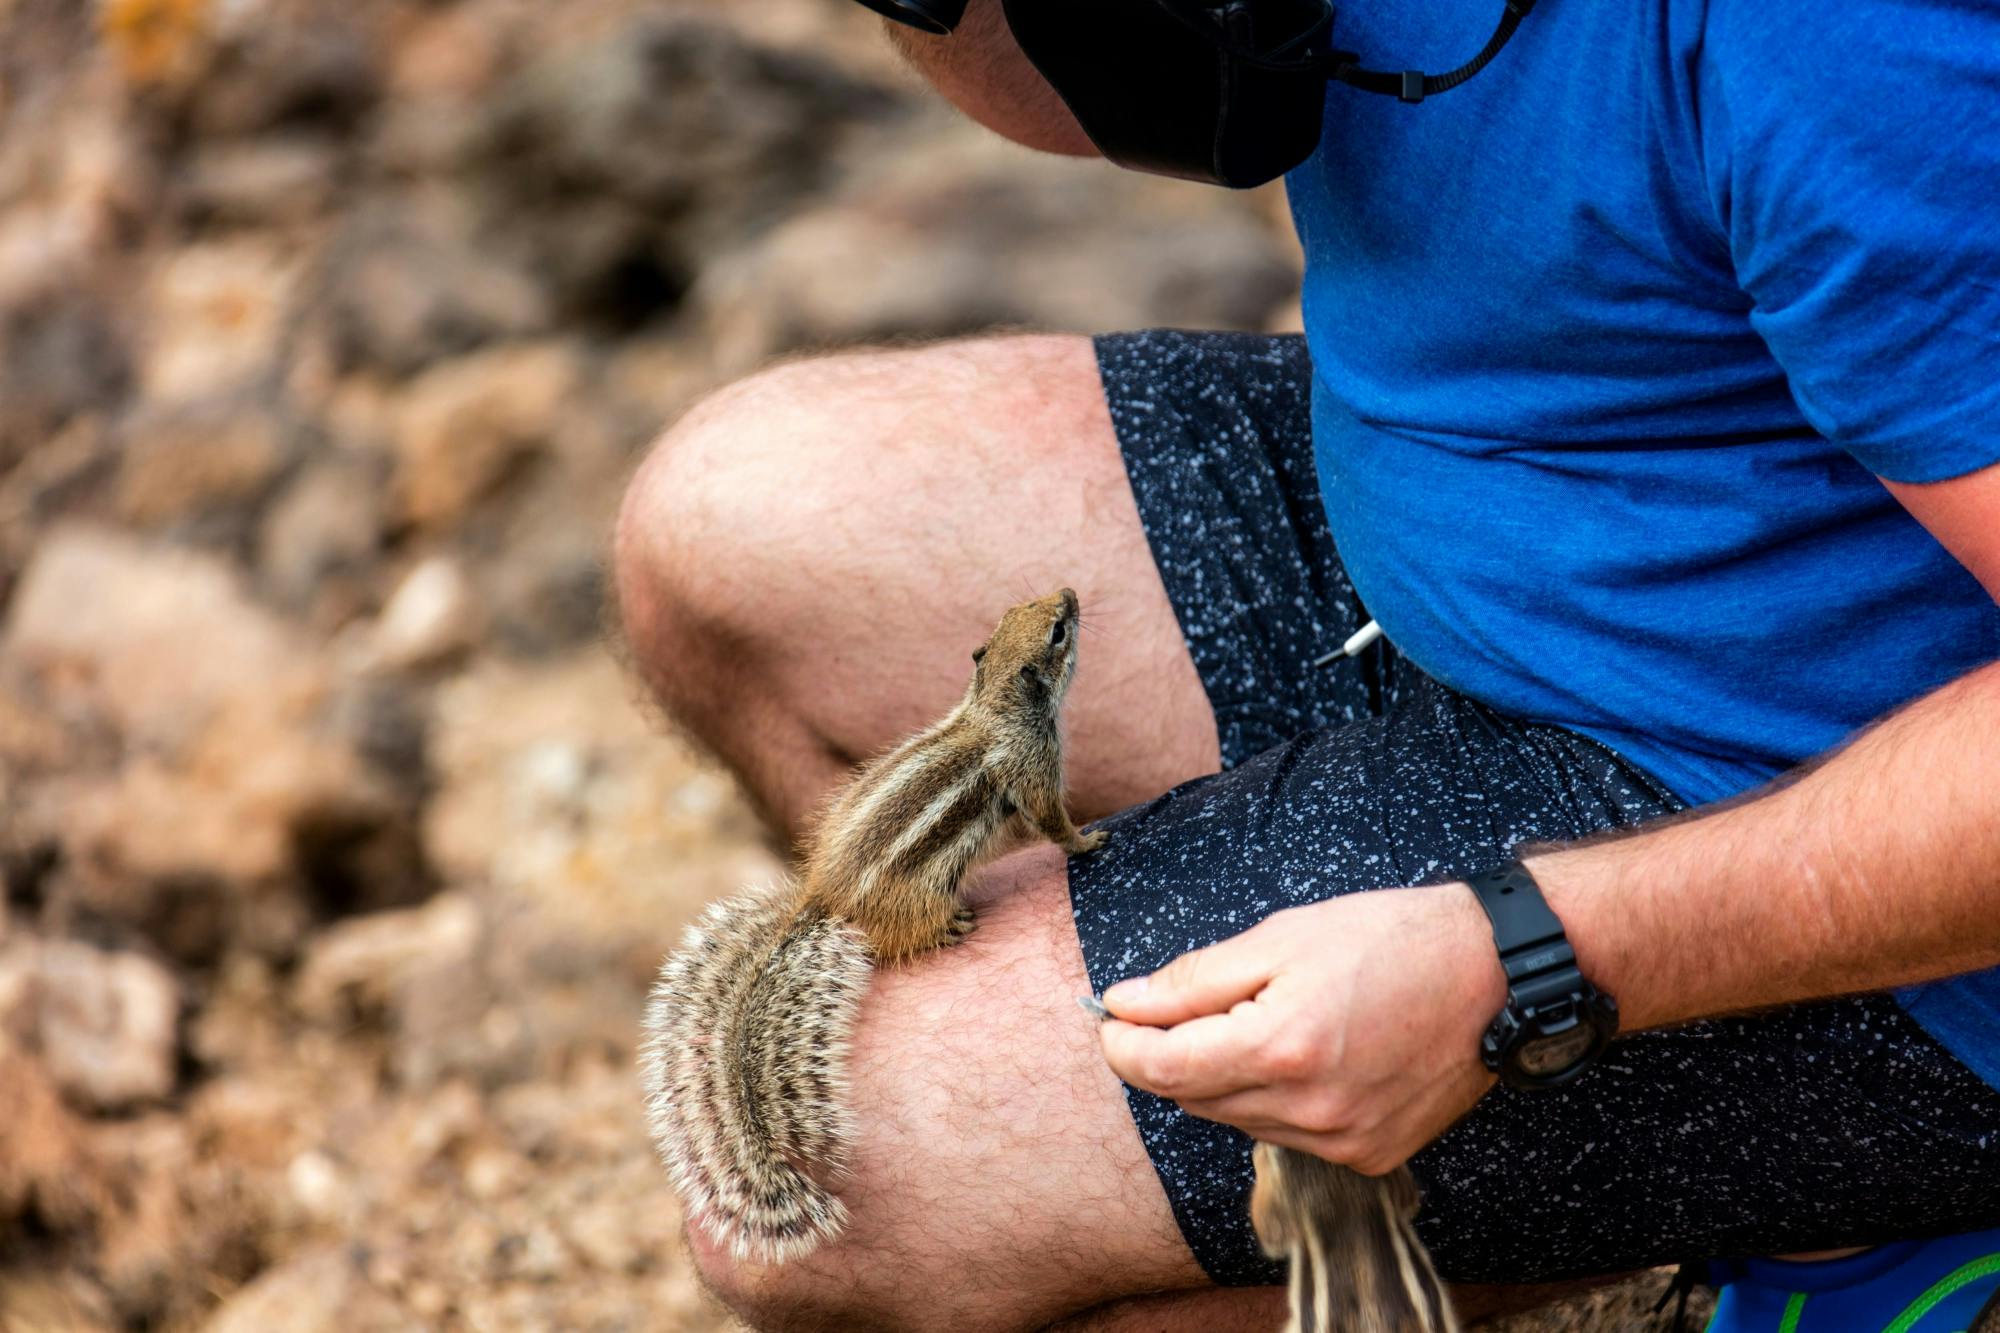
{"x": 981, "y": 70}
{"x": 1350, "y": 1028}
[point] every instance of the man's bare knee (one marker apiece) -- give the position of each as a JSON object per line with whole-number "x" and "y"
{"x": 721, "y": 575}
{"x": 700, "y": 503}
{"x": 804, "y": 561}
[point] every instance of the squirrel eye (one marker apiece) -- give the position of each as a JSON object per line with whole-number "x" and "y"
{"x": 1057, "y": 634}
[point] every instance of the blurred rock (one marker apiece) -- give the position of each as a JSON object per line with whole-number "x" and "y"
{"x": 410, "y": 282}
{"x": 313, "y": 71}
{"x": 360, "y": 965}
{"x": 431, "y": 616}
{"x": 961, "y": 232}
{"x": 321, "y": 1291}
{"x": 243, "y": 809}
{"x": 103, "y": 1023}
{"x": 547, "y": 594}
{"x": 46, "y": 1167}
{"x": 548, "y": 790}
{"x": 659, "y": 141}
{"x": 273, "y": 182}
{"x": 30, "y": 739}
{"x": 683, "y": 114}
{"x": 61, "y": 355}
{"x": 321, "y": 537}
{"x": 216, "y": 315}
{"x": 157, "y": 42}
{"x": 463, "y": 427}
{"x": 162, "y": 639}
{"x": 182, "y": 465}
{"x": 54, "y": 1303}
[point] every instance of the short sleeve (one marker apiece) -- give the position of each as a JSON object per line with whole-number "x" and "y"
{"x": 1852, "y": 153}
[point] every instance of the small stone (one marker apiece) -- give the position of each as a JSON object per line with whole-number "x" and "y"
{"x": 603, "y": 1235}
{"x": 429, "y": 1300}
{"x": 163, "y": 638}
{"x": 493, "y": 1173}
{"x": 318, "y": 1185}
{"x": 431, "y": 616}
{"x": 216, "y": 311}
{"x": 536, "y": 1254}
{"x": 322, "y": 535}
{"x": 320, "y": 1291}
{"x": 105, "y": 1022}
{"x": 180, "y": 464}
{"x": 364, "y": 960}
{"x": 280, "y": 180}
{"x": 411, "y": 285}
{"x": 464, "y": 426}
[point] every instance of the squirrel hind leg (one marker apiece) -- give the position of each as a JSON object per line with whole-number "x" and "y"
{"x": 925, "y": 921}
{"x": 1357, "y": 1265}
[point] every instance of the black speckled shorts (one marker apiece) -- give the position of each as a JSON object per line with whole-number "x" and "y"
{"x": 1830, "y": 1124}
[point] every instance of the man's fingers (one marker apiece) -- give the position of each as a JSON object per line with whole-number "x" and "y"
{"x": 1207, "y": 981}
{"x": 1261, "y": 1112}
{"x": 1203, "y": 1059}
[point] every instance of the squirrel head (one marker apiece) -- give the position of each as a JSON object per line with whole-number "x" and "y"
{"x": 1030, "y": 658}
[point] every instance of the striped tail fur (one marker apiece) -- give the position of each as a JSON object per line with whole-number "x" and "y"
{"x": 744, "y": 1068}
{"x": 1356, "y": 1263}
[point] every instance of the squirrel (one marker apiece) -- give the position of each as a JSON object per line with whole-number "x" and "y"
{"x": 749, "y": 1023}
{"x": 1356, "y": 1263}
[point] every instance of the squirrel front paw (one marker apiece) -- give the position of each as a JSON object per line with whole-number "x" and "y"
{"x": 1083, "y": 844}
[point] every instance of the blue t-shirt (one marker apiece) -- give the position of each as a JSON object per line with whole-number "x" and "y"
{"x": 1612, "y": 341}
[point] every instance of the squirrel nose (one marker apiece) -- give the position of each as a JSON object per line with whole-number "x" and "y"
{"x": 1068, "y": 596}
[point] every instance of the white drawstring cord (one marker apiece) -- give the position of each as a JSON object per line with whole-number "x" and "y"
{"x": 1361, "y": 638}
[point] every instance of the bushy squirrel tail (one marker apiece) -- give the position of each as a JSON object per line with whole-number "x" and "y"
{"x": 1356, "y": 1263}
{"x": 744, "y": 1068}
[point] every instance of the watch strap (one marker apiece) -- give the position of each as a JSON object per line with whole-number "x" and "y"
{"x": 1526, "y": 931}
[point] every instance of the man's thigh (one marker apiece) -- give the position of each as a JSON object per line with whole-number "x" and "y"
{"x": 806, "y": 561}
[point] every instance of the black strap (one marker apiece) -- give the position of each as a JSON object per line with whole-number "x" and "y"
{"x": 1414, "y": 85}
{"x": 1311, "y": 48}
{"x": 1527, "y": 933}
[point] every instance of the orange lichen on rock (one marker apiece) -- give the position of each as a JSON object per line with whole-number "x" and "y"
{"x": 155, "y": 41}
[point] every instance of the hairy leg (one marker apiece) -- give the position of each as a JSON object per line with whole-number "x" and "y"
{"x": 805, "y": 562}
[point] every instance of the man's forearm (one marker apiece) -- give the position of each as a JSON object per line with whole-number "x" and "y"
{"x": 983, "y": 72}
{"x": 1878, "y": 867}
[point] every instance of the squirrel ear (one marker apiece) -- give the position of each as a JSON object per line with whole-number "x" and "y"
{"x": 979, "y": 654}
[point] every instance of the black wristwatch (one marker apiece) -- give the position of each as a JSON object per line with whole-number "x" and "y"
{"x": 1556, "y": 1023}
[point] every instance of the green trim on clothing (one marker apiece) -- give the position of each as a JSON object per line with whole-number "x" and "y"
{"x": 1942, "y": 1288}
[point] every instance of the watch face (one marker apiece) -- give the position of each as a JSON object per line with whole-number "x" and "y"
{"x": 1546, "y": 1057}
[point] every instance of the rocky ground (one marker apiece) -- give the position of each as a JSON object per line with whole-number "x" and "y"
{"x": 337, "y": 853}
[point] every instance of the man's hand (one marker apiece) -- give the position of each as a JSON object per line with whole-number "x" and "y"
{"x": 1348, "y": 1029}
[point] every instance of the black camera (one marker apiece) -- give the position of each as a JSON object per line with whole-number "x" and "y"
{"x": 1229, "y": 92}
